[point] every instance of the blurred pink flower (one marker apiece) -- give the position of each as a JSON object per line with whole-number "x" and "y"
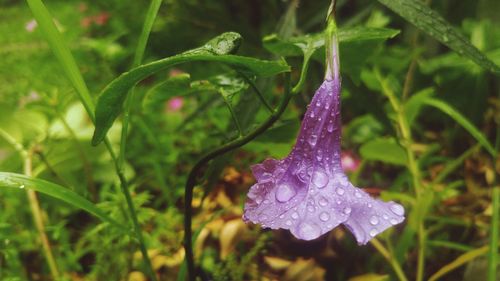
{"x": 82, "y": 7}
{"x": 175, "y": 104}
{"x": 350, "y": 162}
{"x": 102, "y": 18}
{"x": 31, "y": 25}
{"x": 175, "y": 72}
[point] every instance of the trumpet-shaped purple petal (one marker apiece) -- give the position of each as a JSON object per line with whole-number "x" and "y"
{"x": 308, "y": 192}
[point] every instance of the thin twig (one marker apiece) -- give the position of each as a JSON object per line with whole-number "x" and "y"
{"x": 195, "y": 171}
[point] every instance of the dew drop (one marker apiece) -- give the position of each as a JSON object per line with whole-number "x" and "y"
{"x": 284, "y": 193}
{"x": 357, "y": 194}
{"x": 347, "y": 210}
{"x": 320, "y": 179}
{"x": 370, "y": 205}
{"x": 266, "y": 201}
{"x": 311, "y": 208}
{"x": 329, "y": 128}
{"x": 318, "y": 103}
{"x": 397, "y": 209}
{"x": 340, "y": 191}
{"x": 282, "y": 216}
{"x": 258, "y": 200}
{"x": 295, "y": 215}
{"x": 374, "y": 220}
{"x": 313, "y": 139}
{"x": 21, "y": 186}
{"x": 323, "y": 201}
{"x": 263, "y": 217}
{"x": 393, "y": 221}
{"x": 288, "y": 222}
{"x": 309, "y": 231}
{"x": 312, "y": 114}
{"x": 385, "y": 217}
{"x": 324, "y": 216}
{"x": 373, "y": 232}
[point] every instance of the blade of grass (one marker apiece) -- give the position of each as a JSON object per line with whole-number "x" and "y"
{"x": 65, "y": 58}
{"x": 495, "y": 225}
{"x": 61, "y": 51}
{"x": 139, "y": 54}
{"x": 429, "y": 21}
{"x": 458, "y": 262}
{"x": 13, "y": 180}
{"x": 466, "y": 124}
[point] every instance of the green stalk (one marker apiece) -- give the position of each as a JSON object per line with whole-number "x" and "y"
{"x": 195, "y": 171}
{"x": 390, "y": 259}
{"x": 68, "y": 63}
{"x": 494, "y": 235}
{"x": 407, "y": 143}
{"x": 34, "y": 203}
{"x": 139, "y": 54}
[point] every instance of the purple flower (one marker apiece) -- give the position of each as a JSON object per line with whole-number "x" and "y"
{"x": 308, "y": 192}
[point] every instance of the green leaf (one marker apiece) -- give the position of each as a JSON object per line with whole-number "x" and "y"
{"x": 61, "y": 51}
{"x": 458, "y": 262}
{"x": 429, "y": 21}
{"x": 466, "y": 124}
{"x": 415, "y": 102}
{"x": 112, "y": 97}
{"x": 298, "y": 46}
{"x": 13, "y": 180}
{"x": 385, "y": 150}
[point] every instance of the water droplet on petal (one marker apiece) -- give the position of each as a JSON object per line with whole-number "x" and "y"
{"x": 263, "y": 217}
{"x": 323, "y": 201}
{"x": 357, "y": 194}
{"x": 295, "y": 215}
{"x": 288, "y": 222}
{"x": 347, "y": 210}
{"x": 282, "y": 216}
{"x": 373, "y": 232}
{"x": 311, "y": 208}
{"x": 393, "y": 221}
{"x": 324, "y": 216}
{"x": 313, "y": 139}
{"x": 385, "y": 217}
{"x": 329, "y": 128}
{"x": 284, "y": 193}
{"x": 266, "y": 201}
{"x": 320, "y": 179}
{"x": 397, "y": 209}
{"x": 309, "y": 231}
{"x": 258, "y": 200}
{"x": 340, "y": 191}
{"x": 374, "y": 220}
{"x": 312, "y": 114}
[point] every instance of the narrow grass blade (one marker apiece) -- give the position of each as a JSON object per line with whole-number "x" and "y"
{"x": 146, "y": 30}
{"x": 13, "y": 180}
{"x": 61, "y": 51}
{"x": 494, "y": 233}
{"x": 458, "y": 262}
{"x": 466, "y": 124}
{"x": 429, "y": 21}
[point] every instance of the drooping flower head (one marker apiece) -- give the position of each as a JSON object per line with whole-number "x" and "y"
{"x": 308, "y": 192}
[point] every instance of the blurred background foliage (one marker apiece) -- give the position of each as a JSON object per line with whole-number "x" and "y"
{"x": 179, "y": 114}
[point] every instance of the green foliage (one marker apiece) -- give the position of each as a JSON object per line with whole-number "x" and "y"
{"x": 420, "y": 121}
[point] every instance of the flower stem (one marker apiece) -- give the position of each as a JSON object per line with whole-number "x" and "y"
{"x": 195, "y": 171}
{"x": 389, "y": 257}
{"x": 332, "y": 46}
{"x": 38, "y": 218}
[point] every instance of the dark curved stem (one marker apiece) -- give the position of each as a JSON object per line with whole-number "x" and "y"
{"x": 193, "y": 175}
